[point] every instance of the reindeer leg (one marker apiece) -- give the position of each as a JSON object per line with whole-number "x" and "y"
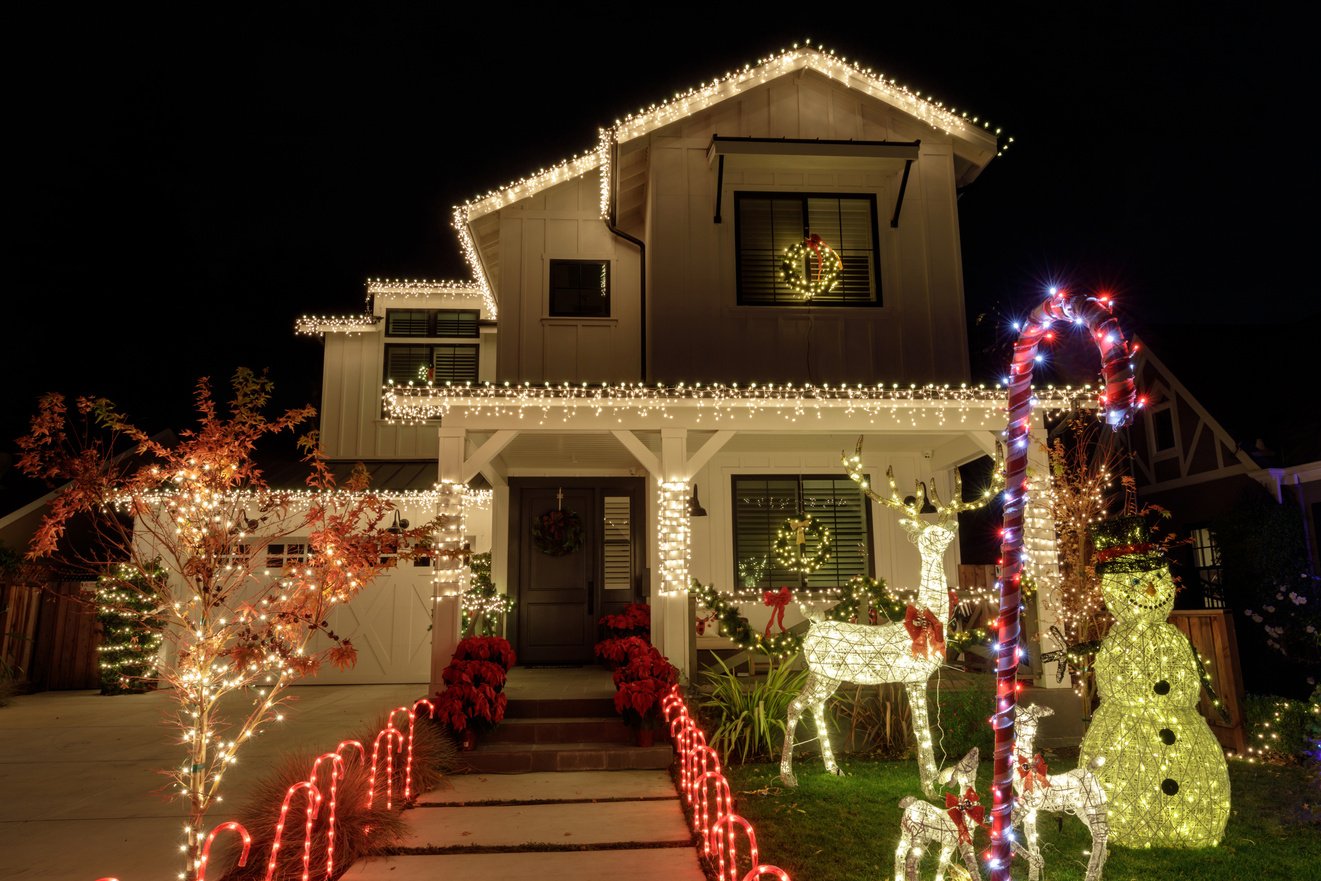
{"x": 900, "y": 854}
{"x": 823, "y": 734}
{"x": 926, "y": 756}
{"x": 969, "y": 860}
{"x": 1034, "y": 850}
{"x": 946, "y": 851}
{"x": 815, "y": 691}
{"x": 1100, "y": 837}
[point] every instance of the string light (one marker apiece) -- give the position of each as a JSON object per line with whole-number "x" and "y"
{"x": 673, "y": 544}
{"x": 951, "y": 827}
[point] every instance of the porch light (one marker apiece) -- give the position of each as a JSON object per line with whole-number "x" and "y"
{"x": 695, "y": 508}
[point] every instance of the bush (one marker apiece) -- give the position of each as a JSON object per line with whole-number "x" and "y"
{"x": 1283, "y": 731}
{"x": 749, "y": 716}
{"x": 878, "y": 722}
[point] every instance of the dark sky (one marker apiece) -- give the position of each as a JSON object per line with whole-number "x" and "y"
{"x": 180, "y": 188}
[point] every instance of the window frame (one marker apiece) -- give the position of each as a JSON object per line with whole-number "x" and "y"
{"x": 431, "y": 346}
{"x": 433, "y": 322}
{"x": 609, "y": 287}
{"x": 870, "y": 197}
{"x": 799, "y": 478}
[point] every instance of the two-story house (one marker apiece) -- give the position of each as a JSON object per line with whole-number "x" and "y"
{"x": 635, "y": 350}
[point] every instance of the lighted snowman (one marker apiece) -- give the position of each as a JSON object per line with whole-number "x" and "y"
{"x": 1163, "y": 770}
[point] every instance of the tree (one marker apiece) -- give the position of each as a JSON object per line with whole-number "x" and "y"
{"x": 187, "y": 527}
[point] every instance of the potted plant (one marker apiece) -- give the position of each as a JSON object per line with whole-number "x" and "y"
{"x": 620, "y": 634}
{"x": 473, "y": 700}
{"x": 641, "y": 684}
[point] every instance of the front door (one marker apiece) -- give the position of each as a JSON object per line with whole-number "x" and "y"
{"x": 562, "y": 592}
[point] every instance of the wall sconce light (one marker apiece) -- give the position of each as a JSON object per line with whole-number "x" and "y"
{"x": 695, "y": 508}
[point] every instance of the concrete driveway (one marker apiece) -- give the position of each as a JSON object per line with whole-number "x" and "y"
{"x": 80, "y": 792}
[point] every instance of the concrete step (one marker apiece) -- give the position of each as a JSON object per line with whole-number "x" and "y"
{"x": 515, "y": 757}
{"x": 560, "y": 708}
{"x": 650, "y": 864}
{"x": 582, "y": 729}
{"x": 557, "y": 825}
{"x": 550, "y": 786}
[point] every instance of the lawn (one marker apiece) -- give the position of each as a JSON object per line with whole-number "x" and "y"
{"x": 846, "y": 829}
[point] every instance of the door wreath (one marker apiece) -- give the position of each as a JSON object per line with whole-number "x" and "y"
{"x": 557, "y": 533}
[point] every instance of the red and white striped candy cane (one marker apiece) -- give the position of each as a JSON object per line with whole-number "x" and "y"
{"x": 1056, "y": 315}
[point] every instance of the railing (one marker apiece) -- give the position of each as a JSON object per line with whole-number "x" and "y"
{"x": 704, "y": 788}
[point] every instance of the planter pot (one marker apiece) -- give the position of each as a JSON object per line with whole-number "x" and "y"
{"x": 646, "y": 736}
{"x": 469, "y": 739}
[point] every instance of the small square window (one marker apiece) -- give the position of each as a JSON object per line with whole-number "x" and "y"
{"x": 580, "y": 288}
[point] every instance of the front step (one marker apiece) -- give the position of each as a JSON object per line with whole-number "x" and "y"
{"x": 562, "y": 708}
{"x": 582, "y": 756}
{"x": 583, "y": 729}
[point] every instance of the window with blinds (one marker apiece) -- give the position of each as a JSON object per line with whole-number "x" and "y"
{"x": 761, "y": 506}
{"x": 580, "y": 288}
{"x": 464, "y": 323}
{"x": 767, "y": 224}
{"x": 438, "y": 363}
{"x": 617, "y": 542}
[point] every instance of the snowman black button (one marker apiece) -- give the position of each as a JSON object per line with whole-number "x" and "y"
{"x": 1161, "y": 687}
{"x": 1167, "y": 737}
{"x": 1169, "y": 786}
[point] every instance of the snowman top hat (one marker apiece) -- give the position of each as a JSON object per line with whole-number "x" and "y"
{"x": 1124, "y": 544}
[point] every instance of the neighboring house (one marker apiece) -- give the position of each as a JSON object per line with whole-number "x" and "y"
{"x": 627, "y": 346}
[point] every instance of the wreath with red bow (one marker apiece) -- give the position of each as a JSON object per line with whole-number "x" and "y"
{"x": 793, "y": 267}
{"x": 557, "y": 533}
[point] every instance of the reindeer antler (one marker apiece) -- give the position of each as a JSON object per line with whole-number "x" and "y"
{"x": 853, "y": 465}
{"x": 957, "y": 505}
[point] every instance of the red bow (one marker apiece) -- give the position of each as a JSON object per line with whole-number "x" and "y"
{"x": 777, "y": 600}
{"x": 961, "y": 810}
{"x": 1033, "y": 772}
{"x": 926, "y": 630}
{"x": 1110, "y": 553}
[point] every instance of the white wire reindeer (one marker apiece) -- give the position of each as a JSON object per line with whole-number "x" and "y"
{"x": 907, "y": 651}
{"x": 924, "y": 823}
{"x": 1075, "y": 792}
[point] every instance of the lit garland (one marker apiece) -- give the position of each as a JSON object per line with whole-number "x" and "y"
{"x": 482, "y": 603}
{"x": 790, "y": 544}
{"x": 673, "y": 539}
{"x": 1164, "y": 772}
{"x": 828, "y": 267}
{"x": 413, "y": 403}
{"x": 320, "y": 325}
{"x": 131, "y": 630}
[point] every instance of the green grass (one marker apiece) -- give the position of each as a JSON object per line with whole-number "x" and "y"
{"x": 844, "y": 829}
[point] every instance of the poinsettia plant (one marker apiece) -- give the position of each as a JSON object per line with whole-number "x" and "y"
{"x": 474, "y": 681}
{"x": 486, "y": 648}
{"x": 617, "y": 652}
{"x": 635, "y": 620}
{"x": 641, "y": 685}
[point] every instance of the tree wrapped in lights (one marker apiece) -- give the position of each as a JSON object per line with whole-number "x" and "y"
{"x": 484, "y": 607}
{"x": 130, "y": 630}
{"x": 192, "y": 523}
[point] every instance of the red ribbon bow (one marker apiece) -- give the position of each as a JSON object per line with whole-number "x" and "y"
{"x": 1033, "y": 772}
{"x": 961, "y": 810}
{"x": 777, "y": 600}
{"x": 926, "y": 630}
{"x": 1111, "y": 553}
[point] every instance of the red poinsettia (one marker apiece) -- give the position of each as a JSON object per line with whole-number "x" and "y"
{"x": 475, "y": 673}
{"x": 642, "y": 684}
{"x": 619, "y": 651}
{"x": 463, "y": 705}
{"x": 635, "y": 620}
{"x": 485, "y": 648}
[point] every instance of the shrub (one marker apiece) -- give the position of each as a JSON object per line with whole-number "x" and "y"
{"x": 1283, "y": 731}
{"x": 749, "y": 716}
{"x": 878, "y": 719}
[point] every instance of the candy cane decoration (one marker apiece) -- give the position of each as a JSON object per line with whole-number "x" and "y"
{"x": 758, "y": 872}
{"x": 231, "y": 826}
{"x": 711, "y": 780}
{"x": 314, "y": 805}
{"x": 362, "y": 753}
{"x": 725, "y": 845}
{"x": 408, "y": 768}
{"x": 393, "y": 737}
{"x": 1118, "y": 401}
{"x": 336, "y": 772}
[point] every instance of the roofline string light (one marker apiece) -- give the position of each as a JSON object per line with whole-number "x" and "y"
{"x": 1118, "y": 400}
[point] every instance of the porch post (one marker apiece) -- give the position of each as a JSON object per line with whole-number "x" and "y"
{"x": 1042, "y": 560}
{"x": 446, "y": 614}
{"x": 673, "y": 547}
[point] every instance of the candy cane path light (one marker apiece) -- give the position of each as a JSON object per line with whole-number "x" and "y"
{"x": 314, "y": 796}
{"x": 336, "y": 772}
{"x": 1118, "y": 399}
{"x": 231, "y": 826}
{"x": 412, "y": 720}
{"x": 393, "y": 738}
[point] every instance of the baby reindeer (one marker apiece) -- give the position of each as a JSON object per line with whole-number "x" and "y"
{"x": 1076, "y": 792}
{"x": 924, "y": 823}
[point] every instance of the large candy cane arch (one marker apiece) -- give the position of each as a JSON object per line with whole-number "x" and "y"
{"x": 1118, "y": 399}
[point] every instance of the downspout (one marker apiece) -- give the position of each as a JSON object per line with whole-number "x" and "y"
{"x": 641, "y": 246}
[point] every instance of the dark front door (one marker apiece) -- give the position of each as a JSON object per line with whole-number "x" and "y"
{"x": 561, "y": 596}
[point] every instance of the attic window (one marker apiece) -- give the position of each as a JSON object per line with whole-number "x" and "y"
{"x": 767, "y": 224}
{"x": 432, "y": 322}
{"x": 580, "y": 288}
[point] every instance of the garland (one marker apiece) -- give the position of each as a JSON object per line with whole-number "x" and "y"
{"x": 828, "y": 267}
{"x": 791, "y": 544}
{"x": 557, "y": 533}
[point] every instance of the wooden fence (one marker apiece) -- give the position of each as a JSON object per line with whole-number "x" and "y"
{"x": 1212, "y": 634}
{"x": 64, "y": 652}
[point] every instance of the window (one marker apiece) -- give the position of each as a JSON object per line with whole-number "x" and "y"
{"x": 763, "y": 503}
{"x": 432, "y": 322}
{"x": 1206, "y": 560}
{"x": 580, "y": 288}
{"x": 766, "y": 224}
{"x": 1162, "y": 426}
{"x": 617, "y": 542}
{"x": 438, "y": 363}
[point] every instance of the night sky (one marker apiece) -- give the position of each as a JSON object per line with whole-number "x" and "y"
{"x": 181, "y": 188}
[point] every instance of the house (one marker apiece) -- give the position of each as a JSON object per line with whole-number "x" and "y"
{"x": 650, "y": 331}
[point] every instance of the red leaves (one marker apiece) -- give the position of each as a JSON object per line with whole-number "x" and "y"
{"x": 486, "y": 648}
{"x": 635, "y": 620}
{"x": 643, "y": 682}
{"x": 619, "y": 651}
{"x": 473, "y": 683}
{"x": 344, "y": 655}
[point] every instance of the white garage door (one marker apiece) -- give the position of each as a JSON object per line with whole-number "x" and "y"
{"x": 389, "y": 623}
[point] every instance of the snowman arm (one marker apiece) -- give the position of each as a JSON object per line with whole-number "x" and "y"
{"x": 1071, "y": 655}
{"x": 1206, "y": 682}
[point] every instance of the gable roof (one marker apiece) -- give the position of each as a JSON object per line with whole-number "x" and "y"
{"x": 970, "y": 129}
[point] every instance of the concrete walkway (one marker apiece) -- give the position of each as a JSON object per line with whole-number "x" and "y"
{"x": 629, "y": 821}
{"x": 79, "y": 784}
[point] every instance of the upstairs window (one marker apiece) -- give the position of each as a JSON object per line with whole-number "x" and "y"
{"x": 767, "y": 224}
{"x": 761, "y": 506}
{"x": 439, "y": 364}
{"x": 580, "y": 288}
{"x": 432, "y": 322}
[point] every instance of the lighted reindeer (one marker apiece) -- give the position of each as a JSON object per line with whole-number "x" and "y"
{"x": 924, "y": 824}
{"x": 1076, "y": 792}
{"x": 907, "y": 651}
